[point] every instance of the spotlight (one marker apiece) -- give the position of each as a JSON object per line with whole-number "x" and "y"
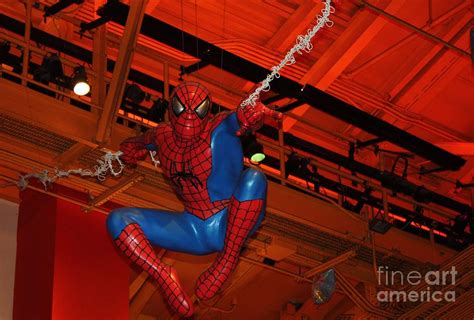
{"x": 252, "y": 149}
{"x": 134, "y": 93}
{"x": 51, "y": 69}
{"x": 158, "y": 110}
{"x": 460, "y": 223}
{"x": 324, "y": 285}
{"x": 79, "y": 81}
{"x": 297, "y": 166}
{"x": 379, "y": 225}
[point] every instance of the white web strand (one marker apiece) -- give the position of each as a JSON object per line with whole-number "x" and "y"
{"x": 105, "y": 165}
{"x": 303, "y": 44}
{"x": 155, "y": 161}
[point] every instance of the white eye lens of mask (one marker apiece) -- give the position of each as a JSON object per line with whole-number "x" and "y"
{"x": 202, "y": 109}
{"x": 177, "y": 106}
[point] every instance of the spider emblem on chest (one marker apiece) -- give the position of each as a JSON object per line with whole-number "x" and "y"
{"x": 185, "y": 174}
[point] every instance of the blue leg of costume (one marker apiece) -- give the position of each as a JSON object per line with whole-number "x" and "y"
{"x": 185, "y": 232}
{"x": 245, "y": 213}
{"x": 181, "y": 232}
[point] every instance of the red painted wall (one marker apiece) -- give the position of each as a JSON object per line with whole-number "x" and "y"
{"x": 35, "y": 257}
{"x": 84, "y": 277}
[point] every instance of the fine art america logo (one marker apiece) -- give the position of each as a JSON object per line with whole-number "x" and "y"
{"x": 434, "y": 282}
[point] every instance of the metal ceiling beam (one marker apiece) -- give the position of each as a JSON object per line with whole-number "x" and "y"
{"x": 416, "y": 29}
{"x": 408, "y": 83}
{"x": 376, "y": 202}
{"x": 73, "y": 50}
{"x": 173, "y": 37}
{"x": 444, "y": 18}
{"x": 121, "y": 69}
{"x": 152, "y": 5}
{"x": 330, "y": 264}
{"x": 363, "y": 27}
{"x": 297, "y": 23}
{"x": 99, "y": 65}
{"x": 246, "y": 69}
{"x": 85, "y": 55}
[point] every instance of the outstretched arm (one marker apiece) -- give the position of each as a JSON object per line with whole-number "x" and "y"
{"x": 136, "y": 148}
{"x": 251, "y": 118}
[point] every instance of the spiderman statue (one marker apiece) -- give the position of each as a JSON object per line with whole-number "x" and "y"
{"x": 201, "y": 155}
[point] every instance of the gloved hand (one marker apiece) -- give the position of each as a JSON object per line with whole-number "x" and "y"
{"x": 251, "y": 118}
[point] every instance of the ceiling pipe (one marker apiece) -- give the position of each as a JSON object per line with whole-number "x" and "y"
{"x": 416, "y": 29}
{"x": 443, "y": 18}
{"x": 397, "y": 183}
{"x": 171, "y": 36}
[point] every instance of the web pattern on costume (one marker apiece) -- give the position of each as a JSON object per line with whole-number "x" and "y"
{"x": 242, "y": 218}
{"x": 188, "y": 167}
{"x": 191, "y": 95}
{"x": 136, "y": 148}
{"x": 136, "y": 247}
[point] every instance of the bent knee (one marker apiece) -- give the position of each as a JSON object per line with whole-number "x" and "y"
{"x": 253, "y": 185}
{"x": 118, "y": 219}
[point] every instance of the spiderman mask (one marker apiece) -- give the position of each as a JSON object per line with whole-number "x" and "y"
{"x": 189, "y": 110}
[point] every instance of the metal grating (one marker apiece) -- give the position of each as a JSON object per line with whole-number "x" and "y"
{"x": 33, "y": 134}
{"x": 297, "y": 231}
{"x": 326, "y": 242}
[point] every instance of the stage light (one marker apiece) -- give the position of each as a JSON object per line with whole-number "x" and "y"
{"x": 51, "y": 69}
{"x": 379, "y": 225}
{"x": 158, "y": 110}
{"x": 297, "y": 166}
{"x": 79, "y": 81}
{"x": 252, "y": 149}
{"x": 460, "y": 223}
{"x": 134, "y": 93}
{"x": 324, "y": 286}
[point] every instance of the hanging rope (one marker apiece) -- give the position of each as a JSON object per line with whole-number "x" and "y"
{"x": 303, "y": 44}
{"x": 105, "y": 165}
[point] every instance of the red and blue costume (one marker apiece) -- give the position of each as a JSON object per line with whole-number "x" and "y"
{"x": 201, "y": 156}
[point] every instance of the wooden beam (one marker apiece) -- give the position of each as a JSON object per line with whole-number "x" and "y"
{"x": 99, "y": 66}
{"x": 26, "y": 49}
{"x": 152, "y": 5}
{"x": 359, "y": 299}
{"x": 141, "y": 299}
{"x": 140, "y": 280}
{"x": 242, "y": 276}
{"x": 137, "y": 284}
{"x": 364, "y": 26}
{"x": 120, "y": 187}
{"x": 331, "y": 263}
{"x": 72, "y": 154}
{"x": 341, "y": 308}
{"x": 295, "y": 25}
{"x": 121, "y": 70}
{"x": 428, "y": 59}
{"x": 282, "y": 201}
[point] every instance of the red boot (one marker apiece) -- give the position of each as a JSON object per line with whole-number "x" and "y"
{"x": 242, "y": 218}
{"x": 137, "y": 248}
